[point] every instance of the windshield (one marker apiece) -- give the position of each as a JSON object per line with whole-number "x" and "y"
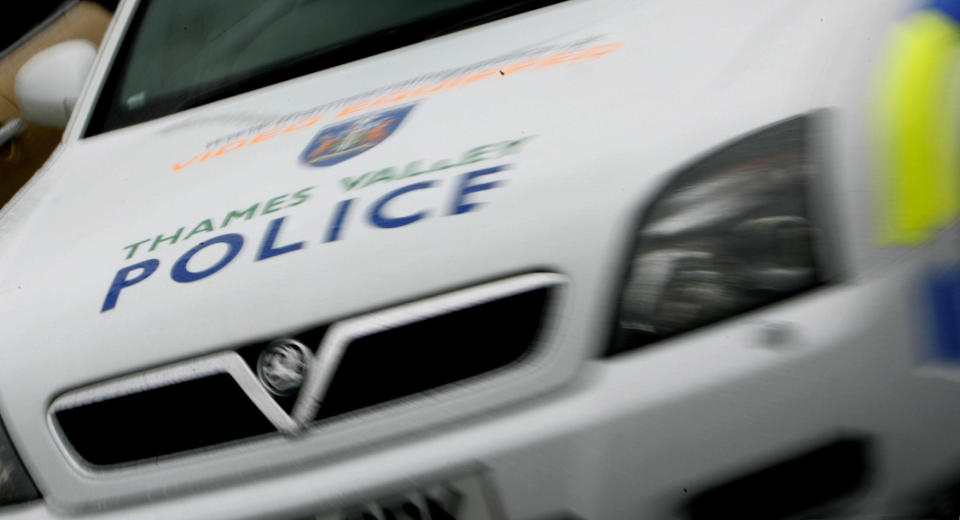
{"x": 178, "y": 54}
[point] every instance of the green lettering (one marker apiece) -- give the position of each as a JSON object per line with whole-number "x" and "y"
{"x": 206, "y": 225}
{"x": 247, "y": 214}
{"x": 273, "y": 205}
{"x": 351, "y": 183}
{"x": 412, "y": 170}
{"x": 300, "y": 197}
{"x": 510, "y": 147}
{"x": 160, "y": 239}
{"x": 385, "y": 174}
{"x": 477, "y": 154}
{"x": 133, "y": 247}
{"x": 442, "y": 165}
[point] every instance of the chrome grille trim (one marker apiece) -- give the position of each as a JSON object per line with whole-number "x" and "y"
{"x": 222, "y": 362}
{"x": 331, "y": 350}
{"x": 338, "y": 337}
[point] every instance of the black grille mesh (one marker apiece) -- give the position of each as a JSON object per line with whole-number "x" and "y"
{"x": 162, "y": 421}
{"x": 213, "y": 410}
{"x": 434, "y": 352}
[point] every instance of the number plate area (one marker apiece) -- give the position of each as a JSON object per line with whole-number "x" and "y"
{"x": 471, "y": 497}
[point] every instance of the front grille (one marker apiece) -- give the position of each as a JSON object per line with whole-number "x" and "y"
{"x": 402, "y": 352}
{"x": 434, "y": 352}
{"x": 162, "y": 421}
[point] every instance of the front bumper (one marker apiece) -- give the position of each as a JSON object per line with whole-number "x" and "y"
{"x": 636, "y": 436}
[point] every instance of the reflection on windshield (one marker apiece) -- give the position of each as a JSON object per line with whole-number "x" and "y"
{"x": 183, "y": 53}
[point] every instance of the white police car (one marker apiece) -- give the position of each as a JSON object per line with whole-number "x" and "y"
{"x": 469, "y": 259}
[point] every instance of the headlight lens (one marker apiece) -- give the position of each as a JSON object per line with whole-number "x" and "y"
{"x": 726, "y": 235}
{"x": 15, "y": 484}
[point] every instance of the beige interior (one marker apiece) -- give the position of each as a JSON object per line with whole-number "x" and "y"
{"x": 21, "y": 157}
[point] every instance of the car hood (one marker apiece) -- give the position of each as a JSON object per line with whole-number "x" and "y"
{"x": 500, "y": 155}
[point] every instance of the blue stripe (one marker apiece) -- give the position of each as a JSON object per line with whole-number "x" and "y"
{"x": 951, "y": 8}
{"x": 943, "y": 292}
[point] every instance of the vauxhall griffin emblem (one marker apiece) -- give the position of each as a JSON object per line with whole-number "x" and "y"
{"x": 282, "y": 366}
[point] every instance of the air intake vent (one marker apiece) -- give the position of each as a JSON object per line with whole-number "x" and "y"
{"x": 162, "y": 421}
{"x": 402, "y": 352}
{"x": 802, "y": 483}
{"x": 434, "y": 352}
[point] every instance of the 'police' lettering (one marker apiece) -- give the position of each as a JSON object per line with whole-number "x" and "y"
{"x": 341, "y": 213}
{"x": 180, "y": 273}
{"x": 120, "y": 281}
{"x": 377, "y": 217}
{"x": 459, "y": 202}
{"x": 267, "y": 248}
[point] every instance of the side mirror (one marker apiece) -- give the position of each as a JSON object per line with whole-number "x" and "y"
{"x": 48, "y": 84}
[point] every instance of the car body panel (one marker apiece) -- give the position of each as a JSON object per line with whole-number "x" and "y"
{"x": 598, "y": 135}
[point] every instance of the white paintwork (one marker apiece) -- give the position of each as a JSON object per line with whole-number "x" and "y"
{"x": 48, "y": 84}
{"x": 605, "y": 439}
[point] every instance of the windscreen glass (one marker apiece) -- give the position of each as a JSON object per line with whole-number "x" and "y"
{"x": 178, "y": 54}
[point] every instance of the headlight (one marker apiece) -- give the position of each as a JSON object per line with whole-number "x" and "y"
{"x": 729, "y": 234}
{"x": 15, "y": 484}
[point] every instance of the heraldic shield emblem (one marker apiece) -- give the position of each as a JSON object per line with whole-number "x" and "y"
{"x": 337, "y": 143}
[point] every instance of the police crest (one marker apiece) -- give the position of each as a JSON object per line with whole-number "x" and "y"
{"x": 339, "y": 142}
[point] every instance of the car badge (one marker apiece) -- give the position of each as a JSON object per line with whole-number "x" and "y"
{"x": 282, "y": 366}
{"x": 339, "y": 142}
